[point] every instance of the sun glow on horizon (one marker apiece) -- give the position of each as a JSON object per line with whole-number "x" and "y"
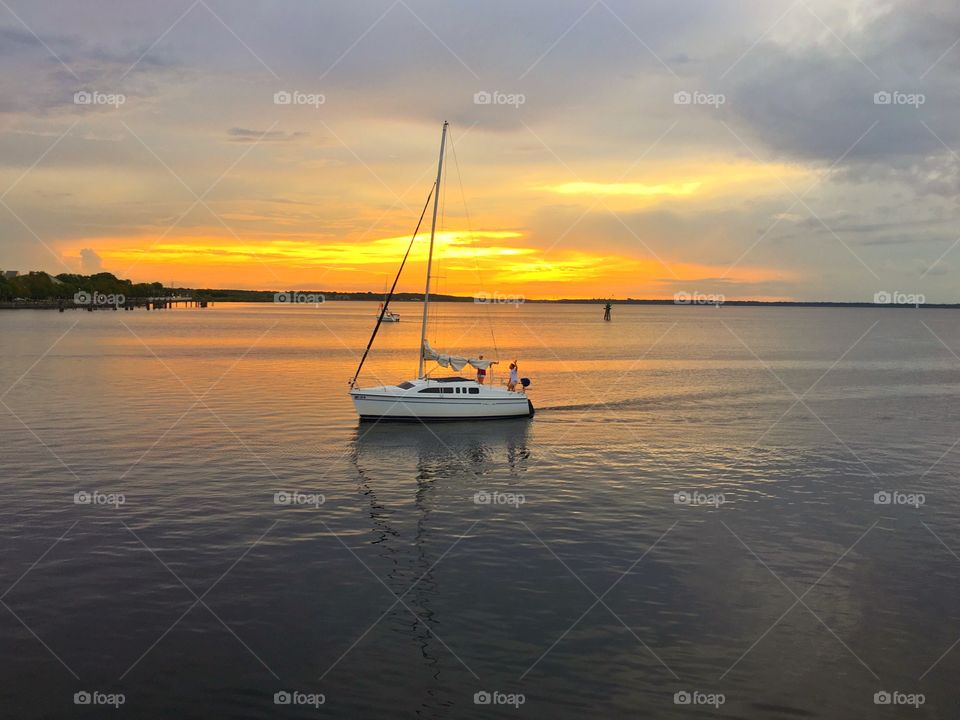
{"x": 523, "y": 248}
{"x": 488, "y": 260}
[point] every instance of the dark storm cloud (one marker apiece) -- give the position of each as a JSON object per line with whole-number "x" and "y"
{"x": 837, "y": 101}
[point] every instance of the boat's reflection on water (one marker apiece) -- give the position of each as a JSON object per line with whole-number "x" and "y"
{"x": 411, "y": 474}
{"x": 445, "y": 450}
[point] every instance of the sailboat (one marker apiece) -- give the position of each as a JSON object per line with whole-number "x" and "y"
{"x": 435, "y": 398}
{"x": 388, "y": 316}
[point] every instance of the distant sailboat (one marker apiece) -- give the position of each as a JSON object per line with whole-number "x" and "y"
{"x": 388, "y": 316}
{"x": 443, "y": 398}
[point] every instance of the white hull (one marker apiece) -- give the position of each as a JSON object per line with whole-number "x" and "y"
{"x": 454, "y": 401}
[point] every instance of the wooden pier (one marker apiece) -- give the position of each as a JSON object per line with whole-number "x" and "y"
{"x": 150, "y": 303}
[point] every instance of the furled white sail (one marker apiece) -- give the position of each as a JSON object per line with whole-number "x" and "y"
{"x": 454, "y": 361}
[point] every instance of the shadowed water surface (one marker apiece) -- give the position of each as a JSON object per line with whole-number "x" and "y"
{"x": 422, "y": 565}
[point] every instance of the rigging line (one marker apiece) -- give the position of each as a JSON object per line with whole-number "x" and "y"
{"x": 473, "y": 245}
{"x": 386, "y": 302}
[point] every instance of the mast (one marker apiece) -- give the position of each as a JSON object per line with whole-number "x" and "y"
{"x": 433, "y": 230}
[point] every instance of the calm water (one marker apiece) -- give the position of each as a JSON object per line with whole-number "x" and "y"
{"x": 790, "y": 591}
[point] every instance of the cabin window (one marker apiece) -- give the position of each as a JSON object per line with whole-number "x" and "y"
{"x": 432, "y": 390}
{"x": 474, "y": 391}
{"x": 405, "y": 385}
{"x": 447, "y": 390}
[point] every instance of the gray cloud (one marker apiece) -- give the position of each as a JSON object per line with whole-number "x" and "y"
{"x": 596, "y": 94}
{"x": 90, "y": 261}
{"x": 813, "y": 101}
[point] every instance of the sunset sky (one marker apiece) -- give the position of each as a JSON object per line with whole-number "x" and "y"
{"x": 800, "y": 150}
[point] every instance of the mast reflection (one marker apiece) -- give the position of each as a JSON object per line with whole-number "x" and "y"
{"x": 448, "y": 464}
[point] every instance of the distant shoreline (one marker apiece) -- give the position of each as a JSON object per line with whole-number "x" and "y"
{"x": 38, "y": 290}
{"x": 504, "y": 299}
{"x": 257, "y": 296}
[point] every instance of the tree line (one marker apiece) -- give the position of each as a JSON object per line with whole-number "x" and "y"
{"x": 42, "y": 286}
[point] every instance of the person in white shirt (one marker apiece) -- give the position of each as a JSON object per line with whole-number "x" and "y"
{"x": 514, "y": 377}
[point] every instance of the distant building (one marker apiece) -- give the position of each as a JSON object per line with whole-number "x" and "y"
{"x": 10, "y": 274}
